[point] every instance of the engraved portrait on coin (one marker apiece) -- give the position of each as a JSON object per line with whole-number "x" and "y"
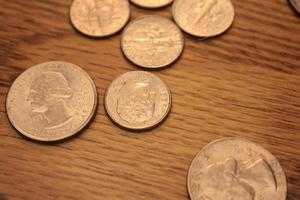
{"x": 99, "y": 18}
{"x": 152, "y": 3}
{"x": 51, "y": 101}
{"x": 137, "y": 100}
{"x": 48, "y": 98}
{"x": 152, "y": 42}
{"x": 235, "y": 168}
{"x": 203, "y": 18}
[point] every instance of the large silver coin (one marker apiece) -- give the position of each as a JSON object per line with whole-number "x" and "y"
{"x": 235, "y": 169}
{"x": 51, "y": 101}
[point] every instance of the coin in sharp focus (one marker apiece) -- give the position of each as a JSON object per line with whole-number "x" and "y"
{"x": 203, "y": 18}
{"x": 236, "y": 168}
{"x": 152, "y": 42}
{"x": 152, "y": 3}
{"x": 51, "y": 101}
{"x": 138, "y": 100}
{"x": 296, "y": 5}
{"x": 99, "y": 18}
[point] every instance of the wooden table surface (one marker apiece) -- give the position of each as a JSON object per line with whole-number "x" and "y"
{"x": 243, "y": 83}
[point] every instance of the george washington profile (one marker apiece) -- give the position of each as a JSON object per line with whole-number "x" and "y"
{"x": 48, "y": 98}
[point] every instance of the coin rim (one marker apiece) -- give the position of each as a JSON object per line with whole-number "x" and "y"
{"x": 158, "y": 66}
{"x": 295, "y": 7}
{"x": 151, "y": 7}
{"x": 198, "y": 35}
{"x": 230, "y": 139}
{"x": 65, "y": 135}
{"x": 137, "y": 128}
{"x": 103, "y": 35}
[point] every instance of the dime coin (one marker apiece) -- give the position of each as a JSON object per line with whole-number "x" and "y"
{"x": 152, "y": 42}
{"x": 296, "y": 5}
{"x": 203, "y": 18}
{"x": 138, "y": 100}
{"x": 236, "y": 168}
{"x": 99, "y": 18}
{"x": 51, "y": 101}
{"x": 152, "y": 3}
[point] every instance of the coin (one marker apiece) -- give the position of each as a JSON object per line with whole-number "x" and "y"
{"x": 296, "y": 5}
{"x": 51, "y": 101}
{"x": 203, "y": 18}
{"x": 236, "y": 168}
{"x": 99, "y": 18}
{"x": 152, "y": 42}
{"x": 138, "y": 100}
{"x": 152, "y": 3}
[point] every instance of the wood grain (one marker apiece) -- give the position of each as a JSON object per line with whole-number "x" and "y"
{"x": 243, "y": 83}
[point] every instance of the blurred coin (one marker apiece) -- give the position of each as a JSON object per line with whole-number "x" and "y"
{"x": 99, "y": 18}
{"x": 138, "y": 100}
{"x": 51, "y": 101}
{"x": 152, "y": 42}
{"x": 151, "y": 3}
{"x": 203, "y": 18}
{"x": 296, "y": 5}
{"x": 236, "y": 168}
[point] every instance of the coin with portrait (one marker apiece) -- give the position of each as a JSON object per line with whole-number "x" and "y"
{"x": 138, "y": 100}
{"x": 51, "y": 101}
{"x": 203, "y": 18}
{"x": 236, "y": 168}
{"x": 152, "y": 42}
{"x": 99, "y": 18}
{"x": 152, "y": 3}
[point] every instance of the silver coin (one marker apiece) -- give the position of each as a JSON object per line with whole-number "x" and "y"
{"x": 138, "y": 100}
{"x": 51, "y": 101}
{"x": 152, "y": 42}
{"x": 236, "y": 168}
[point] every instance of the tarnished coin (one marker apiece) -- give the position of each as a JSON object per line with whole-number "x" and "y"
{"x": 296, "y": 5}
{"x": 203, "y": 18}
{"x": 138, "y": 100}
{"x": 99, "y": 18}
{"x": 235, "y": 169}
{"x": 51, "y": 101}
{"x": 152, "y": 3}
{"x": 152, "y": 42}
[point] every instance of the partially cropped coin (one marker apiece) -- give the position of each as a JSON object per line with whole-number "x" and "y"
{"x": 51, "y": 101}
{"x": 152, "y": 3}
{"x": 99, "y": 18}
{"x": 236, "y": 168}
{"x": 152, "y": 42}
{"x": 203, "y": 18}
{"x": 138, "y": 100}
{"x": 296, "y": 5}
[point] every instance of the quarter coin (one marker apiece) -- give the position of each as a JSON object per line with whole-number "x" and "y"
{"x": 236, "y": 168}
{"x": 51, "y": 101}
{"x": 203, "y": 18}
{"x": 138, "y": 100}
{"x": 152, "y": 3}
{"x": 99, "y": 18}
{"x": 152, "y": 42}
{"x": 296, "y": 5}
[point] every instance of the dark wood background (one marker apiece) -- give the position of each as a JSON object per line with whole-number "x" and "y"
{"x": 243, "y": 83}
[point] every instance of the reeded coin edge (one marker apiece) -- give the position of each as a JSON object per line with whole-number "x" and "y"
{"x": 197, "y": 35}
{"x": 158, "y": 66}
{"x": 99, "y": 36}
{"x": 138, "y": 128}
{"x": 230, "y": 139}
{"x": 65, "y": 136}
{"x": 151, "y": 7}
